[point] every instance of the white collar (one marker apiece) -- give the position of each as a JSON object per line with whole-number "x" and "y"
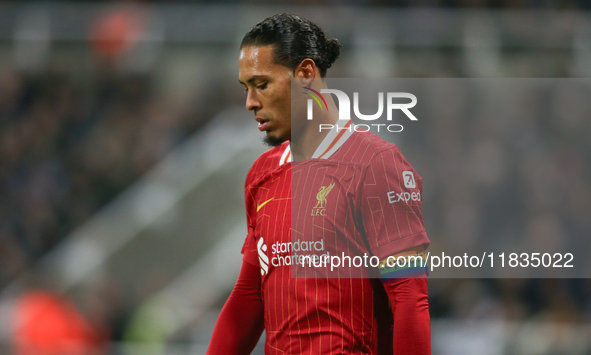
{"x": 329, "y": 145}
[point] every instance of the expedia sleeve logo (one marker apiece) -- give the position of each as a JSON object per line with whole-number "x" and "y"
{"x": 409, "y": 182}
{"x": 263, "y": 258}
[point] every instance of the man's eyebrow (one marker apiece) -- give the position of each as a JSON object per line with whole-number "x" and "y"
{"x": 253, "y": 78}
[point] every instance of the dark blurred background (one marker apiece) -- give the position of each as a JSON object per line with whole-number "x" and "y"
{"x": 124, "y": 144}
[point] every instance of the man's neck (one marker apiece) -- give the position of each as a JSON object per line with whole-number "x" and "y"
{"x": 305, "y": 144}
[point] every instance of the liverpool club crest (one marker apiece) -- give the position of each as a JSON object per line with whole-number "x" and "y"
{"x": 319, "y": 209}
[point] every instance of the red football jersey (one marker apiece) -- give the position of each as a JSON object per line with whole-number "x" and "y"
{"x": 357, "y": 196}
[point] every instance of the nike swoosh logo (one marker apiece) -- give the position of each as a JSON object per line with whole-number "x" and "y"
{"x": 264, "y": 203}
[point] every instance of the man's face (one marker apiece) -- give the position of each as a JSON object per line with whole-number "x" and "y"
{"x": 268, "y": 88}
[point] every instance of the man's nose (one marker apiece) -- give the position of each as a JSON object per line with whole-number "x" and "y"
{"x": 252, "y": 101}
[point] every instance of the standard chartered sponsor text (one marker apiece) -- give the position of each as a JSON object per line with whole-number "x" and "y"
{"x": 293, "y": 248}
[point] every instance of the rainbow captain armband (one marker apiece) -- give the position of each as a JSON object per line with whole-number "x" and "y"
{"x": 406, "y": 264}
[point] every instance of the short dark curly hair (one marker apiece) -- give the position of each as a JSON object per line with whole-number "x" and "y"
{"x": 295, "y": 39}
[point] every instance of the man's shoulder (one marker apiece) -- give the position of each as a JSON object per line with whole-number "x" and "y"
{"x": 270, "y": 160}
{"x": 376, "y": 143}
{"x": 363, "y": 147}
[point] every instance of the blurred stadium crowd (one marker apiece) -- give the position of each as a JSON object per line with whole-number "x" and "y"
{"x": 69, "y": 145}
{"x": 488, "y": 4}
{"x": 519, "y": 184}
{"x": 68, "y": 148}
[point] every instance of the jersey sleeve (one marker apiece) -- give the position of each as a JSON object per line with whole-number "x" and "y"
{"x": 392, "y": 194}
{"x": 249, "y": 249}
{"x": 241, "y": 321}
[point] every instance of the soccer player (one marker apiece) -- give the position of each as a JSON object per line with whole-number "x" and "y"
{"x": 318, "y": 191}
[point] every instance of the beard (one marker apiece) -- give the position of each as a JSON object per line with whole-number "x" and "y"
{"x": 272, "y": 141}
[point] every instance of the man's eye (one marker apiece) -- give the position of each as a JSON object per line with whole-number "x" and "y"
{"x": 262, "y": 86}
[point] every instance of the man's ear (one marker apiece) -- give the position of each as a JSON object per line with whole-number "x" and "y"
{"x": 306, "y": 71}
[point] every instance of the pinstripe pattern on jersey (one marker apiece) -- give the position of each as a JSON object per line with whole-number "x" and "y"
{"x": 319, "y": 314}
